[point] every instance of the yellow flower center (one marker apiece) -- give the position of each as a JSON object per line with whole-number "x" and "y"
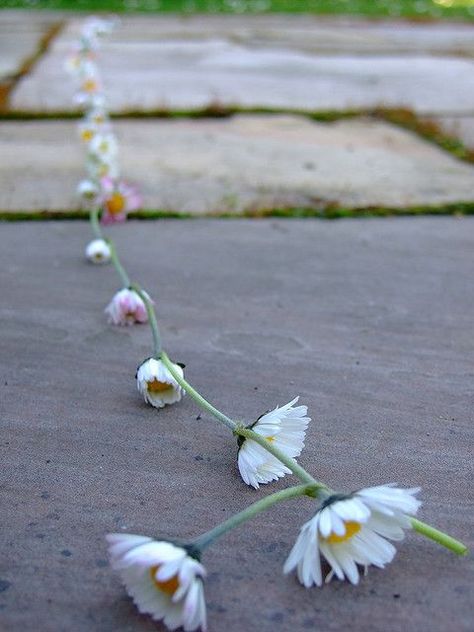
{"x": 270, "y": 439}
{"x": 351, "y": 529}
{"x": 168, "y": 586}
{"x": 98, "y": 256}
{"x": 98, "y": 118}
{"x": 116, "y": 203}
{"x": 155, "y": 386}
{"x": 89, "y": 85}
{"x": 87, "y": 135}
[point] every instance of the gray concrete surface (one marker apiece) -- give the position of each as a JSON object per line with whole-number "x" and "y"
{"x": 242, "y": 163}
{"x": 369, "y": 321}
{"x": 279, "y": 62}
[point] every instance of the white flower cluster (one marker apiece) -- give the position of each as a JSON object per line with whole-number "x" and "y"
{"x": 102, "y": 189}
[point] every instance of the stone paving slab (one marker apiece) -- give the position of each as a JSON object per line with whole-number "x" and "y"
{"x": 236, "y": 164}
{"x": 20, "y": 37}
{"x": 369, "y": 321}
{"x": 178, "y": 63}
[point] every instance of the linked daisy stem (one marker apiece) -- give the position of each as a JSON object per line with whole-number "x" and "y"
{"x": 94, "y": 222}
{"x": 150, "y": 310}
{"x": 192, "y": 392}
{"x": 261, "y": 505}
{"x": 439, "y": 536}
{"x": 117, "y": 265}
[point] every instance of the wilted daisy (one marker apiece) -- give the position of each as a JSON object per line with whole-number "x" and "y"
{"x": 283, "y": 427}
{"x": 117, "y": 199}
{"x": 98, "y": 251}
{"x": 163, "y": 579}
{"x": 87, "y": 190}
{"x": 126, "y": 308}
{"x": 156, "y": 383}
{"x": 352, "y": 530}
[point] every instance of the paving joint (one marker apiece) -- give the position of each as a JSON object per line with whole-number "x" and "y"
{"x": 422, "y": 126}
{"x": 9, "y": 83}
{"x": 329, "y": 212}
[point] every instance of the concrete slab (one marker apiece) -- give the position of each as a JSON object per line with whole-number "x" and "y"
{"x": 369, "y": 321}
{"x": 236, "y": 164}
{"x": 20, "y": 37}
{"x": 181, "y": 63}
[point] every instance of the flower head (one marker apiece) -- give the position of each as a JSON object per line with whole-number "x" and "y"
{"x": 98, "y": 251}
{"x": 104, "y": 146}
{"x": 352, "y": 530}
{"x": 126, "y": 308}
{"x": 156, "y": 383}
{"x": 117, "y": 199}
{"x": 285, "y": 428}
{"x": 87, "y": 190}
{"x": 162, "y": 579}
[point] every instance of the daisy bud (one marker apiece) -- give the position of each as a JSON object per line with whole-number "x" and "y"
{"x": 352, "y": 530}
{"x": 285, "y": 428}
{"x": 156, "y": 383}
{"x": 126, "y": 308}
{"x": 163, "y": 579}
{"x": 98, "y": 251}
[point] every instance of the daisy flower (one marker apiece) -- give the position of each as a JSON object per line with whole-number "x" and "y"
{"x": 98, "y": 115}
{"x": 98, "y": 167}
{"x": 352, "y": 530}
{"x": 117, "y": 199}
{"x": 87, "y": 131}
{"x": 104, "y": 146}
{"x": 156, "y": 383}
{"x": 285, "y": 428}
{"x": 98, "y": 251}
{"x": 126, "y": 308}
{"x": 163, "y": 579}
{"x": 87, "y": 190}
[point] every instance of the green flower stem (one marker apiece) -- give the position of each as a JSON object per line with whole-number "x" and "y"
{"x": 117, "y": 265}
{"x": 95, "y": 224}
{"x": 290, "y": 463}
{"x": 439, "y": 536}
{"x": 227, "y": 421}
{"x": 208, "y": 538}
{"x": 150, "y": 310}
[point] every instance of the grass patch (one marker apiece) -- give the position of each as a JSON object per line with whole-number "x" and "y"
{"x": 421, "y": 9}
